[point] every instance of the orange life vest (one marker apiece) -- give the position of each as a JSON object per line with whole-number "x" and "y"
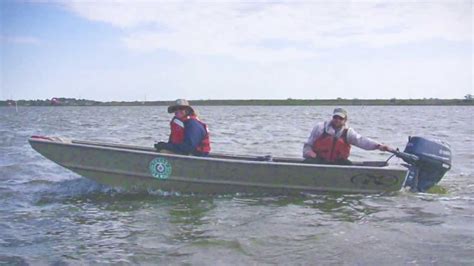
{"x": 177, "y": 133}
{"x": 332, "y": 148}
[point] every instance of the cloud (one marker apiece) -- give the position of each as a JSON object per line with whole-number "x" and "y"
{"x": 299, "y": 30}
{"x": 20, "y": 40}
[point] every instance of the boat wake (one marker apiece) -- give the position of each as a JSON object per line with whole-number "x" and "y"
{"x": 47, "y": 192}
{"x": 51, "y": 192}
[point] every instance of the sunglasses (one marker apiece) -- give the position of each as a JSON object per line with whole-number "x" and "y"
{"x": 337, "y": 117}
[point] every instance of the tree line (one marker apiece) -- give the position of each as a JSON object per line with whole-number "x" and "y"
{"x": 468, "y": 100}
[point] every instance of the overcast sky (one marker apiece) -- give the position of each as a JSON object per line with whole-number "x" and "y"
{"x": 156, "y": 50}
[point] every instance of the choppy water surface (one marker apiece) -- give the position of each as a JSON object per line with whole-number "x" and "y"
{"x": 49, "y": 215}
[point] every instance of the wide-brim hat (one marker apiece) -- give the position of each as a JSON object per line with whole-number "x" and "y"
{"x": 179, "y": 103}
{"x": 340, "y": 112}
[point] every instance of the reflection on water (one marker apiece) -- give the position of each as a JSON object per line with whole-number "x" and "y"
{"x": 52, "y": 216}
{"x": 189, "y": 216}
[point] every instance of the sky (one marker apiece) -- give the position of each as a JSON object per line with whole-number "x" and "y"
{"x": 164, "y": 50}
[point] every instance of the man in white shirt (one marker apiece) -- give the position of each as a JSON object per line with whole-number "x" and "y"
{"x": 330, "y": 142}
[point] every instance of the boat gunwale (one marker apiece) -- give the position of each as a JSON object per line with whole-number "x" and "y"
{"x": 144, "y": 150}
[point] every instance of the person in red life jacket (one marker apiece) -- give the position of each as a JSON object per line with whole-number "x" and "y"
{"x": 189, "y": 135}
{"x": 330, "y": 142}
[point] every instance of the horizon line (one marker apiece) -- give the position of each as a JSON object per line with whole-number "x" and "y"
{"x": 255, "y": 99}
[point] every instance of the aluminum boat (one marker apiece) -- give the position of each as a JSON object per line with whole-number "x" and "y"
{"x": 134, "y": 167}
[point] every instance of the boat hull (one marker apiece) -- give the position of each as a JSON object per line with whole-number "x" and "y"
{"x": 132, "y": 167}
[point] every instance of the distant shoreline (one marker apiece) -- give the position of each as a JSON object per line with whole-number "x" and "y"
{"x": 288, "y": 102}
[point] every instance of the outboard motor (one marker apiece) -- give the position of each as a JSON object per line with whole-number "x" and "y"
{"x": 429, "y": 160}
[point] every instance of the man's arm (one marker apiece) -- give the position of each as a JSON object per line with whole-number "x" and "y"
{"x": 308, "y": 145}
{"x": 365, "y": 143}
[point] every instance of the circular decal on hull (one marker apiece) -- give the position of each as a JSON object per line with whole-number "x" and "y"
{"x": 160, "y": 168}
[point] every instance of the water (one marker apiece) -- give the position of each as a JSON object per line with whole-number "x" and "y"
{"x": 49, "y": 215}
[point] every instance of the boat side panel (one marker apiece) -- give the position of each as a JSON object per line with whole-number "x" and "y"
{"x": 125, "y": 168}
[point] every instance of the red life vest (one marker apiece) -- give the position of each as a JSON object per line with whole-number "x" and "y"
{"x": 177, "y": 133}
{"x": 331, "y": 148}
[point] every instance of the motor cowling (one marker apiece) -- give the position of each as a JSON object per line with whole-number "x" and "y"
{"x": 433, "y": 161}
